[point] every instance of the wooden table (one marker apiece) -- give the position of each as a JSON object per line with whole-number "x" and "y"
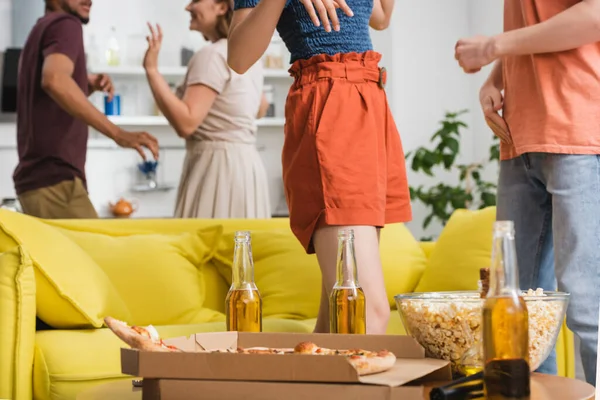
{"x": 543, "y": 387}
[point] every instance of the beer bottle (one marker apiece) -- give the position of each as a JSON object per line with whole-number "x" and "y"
{"x": 243, "y": 304}
{"x": 347, "y": 304}
{"x": 505, "y": 323}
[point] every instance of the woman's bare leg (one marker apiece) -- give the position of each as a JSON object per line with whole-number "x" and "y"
{"x": 322, "y": 325}
{"x": 370, "y": 274}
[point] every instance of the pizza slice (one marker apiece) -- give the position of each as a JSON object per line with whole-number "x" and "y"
{"x": 137, "y": 337}
{"x": 365, "y": 362}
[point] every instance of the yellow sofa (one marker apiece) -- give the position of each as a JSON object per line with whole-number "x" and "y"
{"x": 175, "y": 274}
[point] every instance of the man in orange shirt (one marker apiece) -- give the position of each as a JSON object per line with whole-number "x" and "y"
{"x": 547, "y": 61}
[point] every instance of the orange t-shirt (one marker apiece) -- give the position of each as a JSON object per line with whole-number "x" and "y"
{"x": 551, "y": 101}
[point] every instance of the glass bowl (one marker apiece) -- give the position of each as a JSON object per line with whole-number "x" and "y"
{"x": 448, "y": 324}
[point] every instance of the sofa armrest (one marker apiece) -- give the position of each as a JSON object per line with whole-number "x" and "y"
{"x": 17, "y": 324}
{"x": 427, "y": 248}
{"x": 565, "y": 352}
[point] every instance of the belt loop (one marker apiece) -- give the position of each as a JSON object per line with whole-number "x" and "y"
{"x": 299, "y": 76}
{"x": 354, "y": 74}
{"x": 526, "y": 160}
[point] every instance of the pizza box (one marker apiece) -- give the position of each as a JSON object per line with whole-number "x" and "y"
{"x": 174, "y": 389}
{"x": 164, "y": 372}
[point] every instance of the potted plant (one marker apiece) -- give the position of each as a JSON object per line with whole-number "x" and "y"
{"x": 471, "y": 191}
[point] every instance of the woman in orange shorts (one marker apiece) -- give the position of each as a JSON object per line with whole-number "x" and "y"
{"x": 343, "y": 163}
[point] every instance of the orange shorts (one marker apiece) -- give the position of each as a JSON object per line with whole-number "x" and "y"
{"x": 343, "y": 162}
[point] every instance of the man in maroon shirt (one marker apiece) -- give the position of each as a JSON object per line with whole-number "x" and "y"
{"x": 53, "y": 115}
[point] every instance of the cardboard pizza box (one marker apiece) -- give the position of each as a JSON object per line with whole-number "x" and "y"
{"x": 173, "y": 389}
{"x": 167, "y": 374}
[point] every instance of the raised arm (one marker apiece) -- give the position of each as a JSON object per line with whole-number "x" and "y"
{"x": 251, "y": 32}
{"x": 381, "y": 14}
{"x": 205, "y": 79}
{"x": 252, "y": 28}
{"x": 187, "y": 114}
{"x": 576, "y": 26}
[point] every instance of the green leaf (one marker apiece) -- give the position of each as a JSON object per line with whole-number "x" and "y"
{"x": 453, "y": 145}
{"x": 489, "y": 199}
{"x": 448, "y": 160}
{"x": 427, "y": 221}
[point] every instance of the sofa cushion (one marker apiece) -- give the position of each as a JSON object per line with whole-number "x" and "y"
{"x": 72, "y": 290}
{"x": 67, "y": 362}
{"x": 464, "y": 246}
{"x": 158, "y": 276}
{"x": 289, "y": 280}
{"x": 17, "y": 319}
{"x": 216, "y": 287}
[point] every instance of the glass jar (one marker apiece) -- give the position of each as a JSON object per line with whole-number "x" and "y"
{"x": 270, "y": 96}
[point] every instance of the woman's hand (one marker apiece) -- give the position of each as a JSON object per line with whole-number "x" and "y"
{"x": 491, "y": 101}
{"x": 326, "y": 10}
{"x": 154, "y": 43}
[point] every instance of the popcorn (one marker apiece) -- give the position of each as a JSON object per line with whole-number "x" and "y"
{"x": 447, "y": 329}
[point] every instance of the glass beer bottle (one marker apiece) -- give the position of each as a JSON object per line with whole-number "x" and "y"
{"x": 347, "y": 304}
{"x": 243, "y": 304}
{"x": 505, "y": 323}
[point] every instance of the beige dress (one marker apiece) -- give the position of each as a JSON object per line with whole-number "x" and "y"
{"x": 223, "y": 174}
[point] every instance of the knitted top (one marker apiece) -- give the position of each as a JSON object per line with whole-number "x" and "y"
{"x": 303, "y": 39}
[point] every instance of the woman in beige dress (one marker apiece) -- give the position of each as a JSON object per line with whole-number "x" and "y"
{"x": 215, "y": 111}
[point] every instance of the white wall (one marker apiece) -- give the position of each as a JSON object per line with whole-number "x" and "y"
{"x": 5, "y": 24}
{"x": 427, "y": 79}
{"x": 485, "y": 18}
{"x": 130, "y": 17}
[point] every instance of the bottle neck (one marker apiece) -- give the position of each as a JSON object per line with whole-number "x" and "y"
{"x": 504, "y": 272}
{"x": 243, "y": 265}
{"x": 347, "y": 274}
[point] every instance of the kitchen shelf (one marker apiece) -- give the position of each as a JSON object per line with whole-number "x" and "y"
{"x": 146, "y": 189}
{"x": 273, "y": 122}
{"x": 124, "y": 71}
{"x": 151, "y": 120}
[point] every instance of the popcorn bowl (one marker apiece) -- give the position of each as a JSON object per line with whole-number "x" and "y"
{"x": 448, "y": 324}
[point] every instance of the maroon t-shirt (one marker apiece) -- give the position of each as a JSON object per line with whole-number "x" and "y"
{"x": 52, "y": 144}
